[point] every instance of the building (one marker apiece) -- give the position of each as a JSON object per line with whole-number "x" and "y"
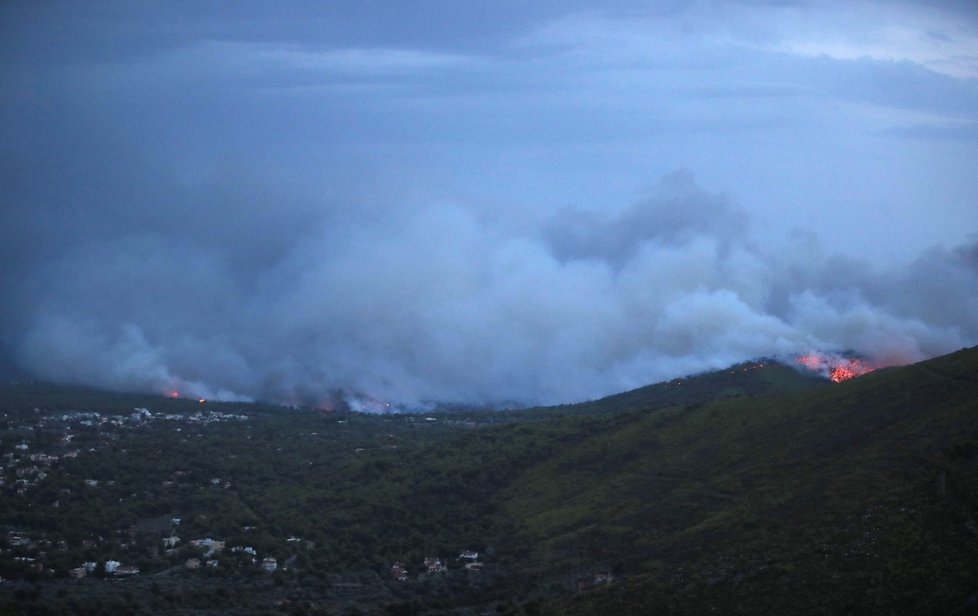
{"x": 398, "y": 572}
{"x": 434, "y": 565}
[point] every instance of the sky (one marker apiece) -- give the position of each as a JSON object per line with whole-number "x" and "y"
{"x": 487, "y": 202}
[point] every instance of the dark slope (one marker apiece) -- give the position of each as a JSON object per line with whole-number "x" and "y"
{"x": 750, "y": 378}
{"x": 860, "y": 497}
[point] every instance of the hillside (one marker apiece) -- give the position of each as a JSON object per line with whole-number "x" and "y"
{"x": 858, "y": 497}
{"x": 752, "y": 490}
{"x": 752, "y": 378}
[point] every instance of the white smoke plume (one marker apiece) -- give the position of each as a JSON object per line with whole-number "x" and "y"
{"x": 448, "y": 304}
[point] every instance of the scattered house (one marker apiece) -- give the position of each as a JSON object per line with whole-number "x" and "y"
{"x": 78, "y": 572}
{"x": 111, "y": 566}
{"x": 269, "y": 565}
{"x": 89, "y": 566}
{"x": 18, "y": 540}
{"x": 213, "y": 545}
{"x": 246, "y": 549}
{"x": 192, "y": 563}
{"x": 175, "y": 521}
{"x": 434, "y": 565}
{"x": 474, "y": 566}
{"x": 212, "y": 563}
{"x": 141, "y": 414}
{"x": 126, "y": 570}
{"x": 92, "y": 483}
{"x": 293, "y": 539}
{"x": 398, "y": 572}
{"x": 603, "y": 578}
{"x": 22, "y": 447}
{"x": 469, "y": 555}
{"x": 171, "y": 541}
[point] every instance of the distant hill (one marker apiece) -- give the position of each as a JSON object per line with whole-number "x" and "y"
{"x": 750, "y": 378}
{"x": 747, "y": 378}
{"x": 28, "y": 395}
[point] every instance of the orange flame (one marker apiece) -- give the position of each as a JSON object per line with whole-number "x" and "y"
{"x": 835, "y": 367}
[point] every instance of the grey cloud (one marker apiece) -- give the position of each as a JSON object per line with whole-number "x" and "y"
{"x": 966, "y": 132}
{"x": 677, "y": 213}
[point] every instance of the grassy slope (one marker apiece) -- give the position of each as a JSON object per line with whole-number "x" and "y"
{"x": 856, "y": 496}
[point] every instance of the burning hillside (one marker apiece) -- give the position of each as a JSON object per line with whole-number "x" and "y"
{"x": 834, "y": 366}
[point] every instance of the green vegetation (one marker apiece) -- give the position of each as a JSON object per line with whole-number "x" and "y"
{"x": 750, "y": 490}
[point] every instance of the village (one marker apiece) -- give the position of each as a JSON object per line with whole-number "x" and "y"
{"x": 34, "y": 445}
{"x": 30, "y": 447}
{"x": 65, "y": 447}
{"x": 30, "y": 554}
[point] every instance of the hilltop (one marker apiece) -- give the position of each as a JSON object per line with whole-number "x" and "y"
{"x": 750, "y": 378}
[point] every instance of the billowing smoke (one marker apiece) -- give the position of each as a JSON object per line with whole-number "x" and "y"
{"x": 446, "y": 303}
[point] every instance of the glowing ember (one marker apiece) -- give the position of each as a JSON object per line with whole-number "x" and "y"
{"x": 174, "y": 394}
{"x": 835, "y": 367}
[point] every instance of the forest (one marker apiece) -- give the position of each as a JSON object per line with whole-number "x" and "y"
{"x": 755, "y": 489}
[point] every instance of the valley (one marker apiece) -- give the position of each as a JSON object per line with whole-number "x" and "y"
{"x": 756, "y": 489}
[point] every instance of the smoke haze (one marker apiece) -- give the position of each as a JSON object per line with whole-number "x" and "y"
{"x": 538, "y": 207}
{"x": 441, "y": 304}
